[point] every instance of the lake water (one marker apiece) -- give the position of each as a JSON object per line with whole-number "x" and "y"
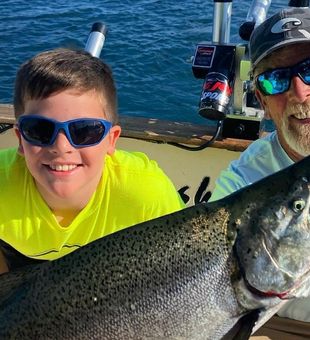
{"x": 149, "y": 45}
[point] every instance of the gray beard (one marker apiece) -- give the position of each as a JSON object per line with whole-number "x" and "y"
{"x": 298, "y": 139}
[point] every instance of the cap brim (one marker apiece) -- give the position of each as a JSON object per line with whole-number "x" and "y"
{"x": 278, "y": 46}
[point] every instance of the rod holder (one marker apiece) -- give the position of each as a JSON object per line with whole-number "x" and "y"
{"x": 96, "y": 39}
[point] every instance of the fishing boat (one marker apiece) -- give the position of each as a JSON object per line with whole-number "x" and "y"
{"x": 193, "y": 155}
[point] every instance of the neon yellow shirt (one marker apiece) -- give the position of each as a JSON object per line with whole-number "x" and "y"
{"x": 132, "y": 189}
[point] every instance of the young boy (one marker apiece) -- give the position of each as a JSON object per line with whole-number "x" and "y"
{"x": 66, "y": 185}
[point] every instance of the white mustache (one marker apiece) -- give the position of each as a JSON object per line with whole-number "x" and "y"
{"x": 301, "y": 111}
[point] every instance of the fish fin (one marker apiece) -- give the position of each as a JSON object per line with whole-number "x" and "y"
{"x": 243, "y": 328}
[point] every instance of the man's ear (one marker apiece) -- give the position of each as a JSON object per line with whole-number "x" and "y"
{"x": 262, "y": 100}
{"x": 113, "y": 136}
{"x": 20, "y": 148}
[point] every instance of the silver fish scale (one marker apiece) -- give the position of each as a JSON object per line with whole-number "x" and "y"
{"x": 175, "y": 277}
{"x": 147, "y": 304}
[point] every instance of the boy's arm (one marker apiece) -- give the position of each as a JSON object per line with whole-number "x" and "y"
{"x": 3, "y": 265}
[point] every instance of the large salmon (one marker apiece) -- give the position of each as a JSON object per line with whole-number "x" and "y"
{"x": 189, "y": 275}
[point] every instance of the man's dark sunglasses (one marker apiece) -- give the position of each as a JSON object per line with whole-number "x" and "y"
{"x": 278, "y": 80}
{"x": 82, "y": 132}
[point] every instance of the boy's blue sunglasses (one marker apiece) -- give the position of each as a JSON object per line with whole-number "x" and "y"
{"x": 81, "y": 133}
{"x": 278, "y": 80}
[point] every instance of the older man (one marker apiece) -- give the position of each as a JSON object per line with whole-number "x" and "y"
{"x": 280, "y": 57}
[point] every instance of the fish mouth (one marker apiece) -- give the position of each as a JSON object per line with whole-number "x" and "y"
{"x": 283, "y": 295}
{"x": 269, "y": 294}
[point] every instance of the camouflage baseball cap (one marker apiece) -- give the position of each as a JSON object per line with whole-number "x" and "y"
{"x": 289, "y": 26}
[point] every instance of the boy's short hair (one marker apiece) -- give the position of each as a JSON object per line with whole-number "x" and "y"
{"x": 61, "y": 69}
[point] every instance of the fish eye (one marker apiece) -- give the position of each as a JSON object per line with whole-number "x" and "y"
{"x": 298, "y": 205}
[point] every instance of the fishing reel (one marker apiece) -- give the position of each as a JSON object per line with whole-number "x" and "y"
{"x": 227, "y": 94}
{"x": 216, "y": 65}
